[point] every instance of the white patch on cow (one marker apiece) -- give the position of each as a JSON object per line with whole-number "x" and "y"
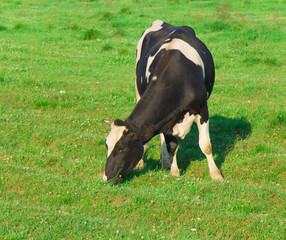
{"x": 187, "y": 50}
{"x": 114, "y": 136}
{"x": 182, "y": 129}
{"x": 104, "y": 178}
{"x": 149, "y": 62}
{"x": 157, "y": 25}
{"x": 154, "y": 78}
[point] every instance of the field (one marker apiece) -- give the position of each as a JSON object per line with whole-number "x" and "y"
{"x": 66, "y": 65}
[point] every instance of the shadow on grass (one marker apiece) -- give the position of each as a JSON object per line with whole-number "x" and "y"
{"x": 224, "y": 133}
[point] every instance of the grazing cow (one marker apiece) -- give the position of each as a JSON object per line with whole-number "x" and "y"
{"x": 174, "y": 78}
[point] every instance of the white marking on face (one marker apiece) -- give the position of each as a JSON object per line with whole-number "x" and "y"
{"x": 183, "y": 128}
{"x": 114, "y": 136}
{"x": 157, "y": 25}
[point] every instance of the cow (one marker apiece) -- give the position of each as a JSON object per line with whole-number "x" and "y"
{"x": 174, "y": 79}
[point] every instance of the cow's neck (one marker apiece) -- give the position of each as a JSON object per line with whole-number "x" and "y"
{"x": 152, "y": 111}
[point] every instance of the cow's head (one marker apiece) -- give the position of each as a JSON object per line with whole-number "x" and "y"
{"x": 124, "y": 151}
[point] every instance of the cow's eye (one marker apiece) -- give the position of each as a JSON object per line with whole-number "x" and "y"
{"x": 121, "y": 149}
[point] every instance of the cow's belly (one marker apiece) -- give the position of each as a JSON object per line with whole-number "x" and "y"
{"x": 182, "y": 129}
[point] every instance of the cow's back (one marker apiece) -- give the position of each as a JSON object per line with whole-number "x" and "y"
{"x": 154, "y": 38}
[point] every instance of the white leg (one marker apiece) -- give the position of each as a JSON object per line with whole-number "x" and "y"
{"x": 165, "y": 156}
{"x": 174, "y": 167}
{"x": 205, "y": 145}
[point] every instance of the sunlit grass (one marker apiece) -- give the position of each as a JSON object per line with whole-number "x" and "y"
{"x": 66, "y": 65}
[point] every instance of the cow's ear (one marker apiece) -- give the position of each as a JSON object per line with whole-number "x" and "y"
{"x": 145, "y": 133}
{"x": 108, "y": 122}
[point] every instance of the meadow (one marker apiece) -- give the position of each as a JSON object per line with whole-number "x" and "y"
{"x": 66, "y": 65}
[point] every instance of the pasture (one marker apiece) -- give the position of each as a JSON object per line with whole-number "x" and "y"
{"x": 66, "y": 65}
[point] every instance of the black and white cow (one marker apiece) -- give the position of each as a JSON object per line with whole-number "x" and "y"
{"x": 174, "y": 79}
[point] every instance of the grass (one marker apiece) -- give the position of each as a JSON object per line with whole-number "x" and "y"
{"x": 66, "y": 65}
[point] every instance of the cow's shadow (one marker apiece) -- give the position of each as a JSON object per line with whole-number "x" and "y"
{"x": 224, "y": 133}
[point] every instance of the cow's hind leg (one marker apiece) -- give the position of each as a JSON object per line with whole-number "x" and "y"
{"x": 172, "y": 148}
{"x": 205, "y": 144}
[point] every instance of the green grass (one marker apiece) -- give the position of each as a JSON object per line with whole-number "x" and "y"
{"x": 66, "y": 65}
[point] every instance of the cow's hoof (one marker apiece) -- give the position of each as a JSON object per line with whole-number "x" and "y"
{"x": 217, "y": 176}
{"x": 165, "y": 164}
{"x": 165, "y": 161}
{"x": 140, "y": 165}
{"x": 175, "y": 172}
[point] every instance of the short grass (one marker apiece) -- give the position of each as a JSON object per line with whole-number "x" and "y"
{"x": 66, "y": 65}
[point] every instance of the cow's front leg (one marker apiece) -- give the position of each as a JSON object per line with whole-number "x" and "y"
{"x": 140, "y": 164}
{"x": 165, "y": 156}
{"x": 172, "y": 148}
